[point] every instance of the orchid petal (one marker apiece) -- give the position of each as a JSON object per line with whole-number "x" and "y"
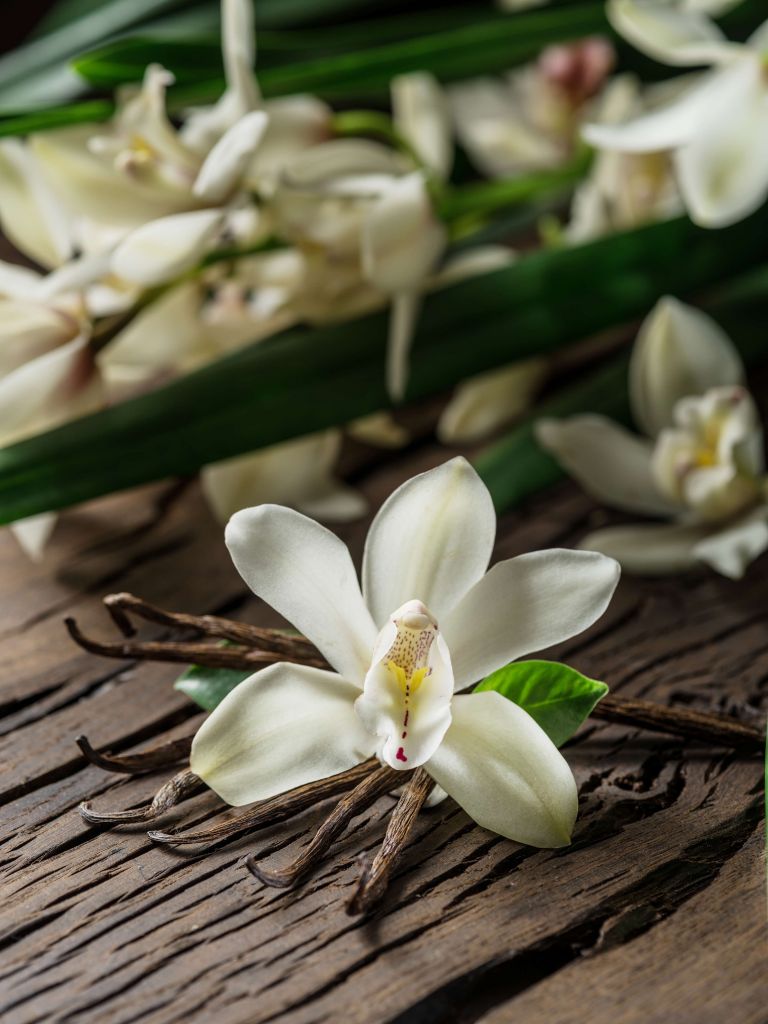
{"x": 164, "y": 248}
{"x": 505, "y": 772}
{"x": 380, "y": 430}
{"x": 46, "y": 391}
{"x": 645, "y": 549}
{"x": 482, "y": 404}
{"x": 526, "y": 604}
{"x": 422, "y": 116}
{"x": 227, "y": 161}
{"x": 34, "y": 532}
{"x": 17, "y": 282}
{"x": 306, "y": 574}
{"x": 679, "y": 351}
{"x": 731, "y": 550}
{"x": 32, "y": 216}
{"x": 431, "y": 540}
{"x": 723, "y": 171}
{"x": 612, "y": 465}
{"x": 401, "y": 238}
{"x": 669, "y": 34}
{"x": 672, "y": 125}
{"x": 407, "y": 706}
{"x": 297, "y": 473}
{"x": 30, "y": 329}
{"x": 283, "y": 727}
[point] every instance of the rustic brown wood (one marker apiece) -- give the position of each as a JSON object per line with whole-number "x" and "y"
{"x": 656, "y": 913}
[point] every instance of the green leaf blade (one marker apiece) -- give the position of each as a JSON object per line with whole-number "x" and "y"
{"x": 208, "y": 687}
{"x": 557, "y": 697}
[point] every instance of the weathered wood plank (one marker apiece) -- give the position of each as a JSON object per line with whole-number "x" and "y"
{"x": 103, "y": 924}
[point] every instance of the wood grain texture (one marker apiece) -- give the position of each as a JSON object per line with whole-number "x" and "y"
{"x": 655, "y": 913}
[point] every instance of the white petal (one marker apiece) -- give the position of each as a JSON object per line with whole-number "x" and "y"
{"x": 164, "y": 248}
{"x": 306, "y": 574}
{"x": 29, "y": 329}
{"x": 759, "y": 39}
{"x": 670, "y": 126}
{"x": 731, "y": 550}
{"x": 669, "y": 34}
{"x": 611, "y": 464}
{"x": 285, "y": 726}
{"x": 296, "y": 123}
{"x": 679, "y": 351}
{"x": 45, "y": 392}
{"x": 723, "y": 172}
{"x": 168, "y": 335}
{"x": 526, "y": 604}
{"x": 239, "y": 51}
{"x": 402, "y": 322}
{"x": 298, "y": 473}
{"x": 506, "y": 773}
{"x": 34, "y": 532}
{"x": 482, "y": 404}
{"x": 431, "y": 540}
{"x": 32, "y": 216}
{"x": 227, "y": 161}
{"x": 482, "y": 259}
{"x": 17, "y": 282}
{"x": 380, "y": 430}
{"x": 401, "y": 238}
{"x": 408, "y": 714}
{"x": 422, "y": 116}
{"x": 648, "y": 549}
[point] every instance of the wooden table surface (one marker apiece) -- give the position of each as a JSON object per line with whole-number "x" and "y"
{"x": 656, "y": 913}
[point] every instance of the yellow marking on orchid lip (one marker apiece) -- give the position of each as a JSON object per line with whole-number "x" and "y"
{"x": 706, "y": 457}
{"x": 409, "y": 684}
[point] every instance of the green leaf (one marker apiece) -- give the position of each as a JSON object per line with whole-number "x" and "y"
{"x": 209, "y": 686}
{"x": 556, "y": 697}
{"x": 305, "y": 380}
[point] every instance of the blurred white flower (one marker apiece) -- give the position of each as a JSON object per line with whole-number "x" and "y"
{"x": 296, "y": 473}
{"x": 700, "y": 462}
{"x": 429, "y": 621}
{"x": 482, "y": 404}
{"x": 717, "y": 131}
{"x": 370, "y": 215}
{"x": 531, "y": 120}
{"x": 625, "y": 190}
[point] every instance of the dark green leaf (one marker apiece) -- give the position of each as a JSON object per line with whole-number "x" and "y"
{"x": 209, "y": 686}
{"x": 557, "y": 697}
{"x": 308, "y": 379}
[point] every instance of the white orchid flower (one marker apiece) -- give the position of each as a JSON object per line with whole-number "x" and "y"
{"x": 717, "y": 131}
{"x": 625, "y": 190}
{"x": 296, "y": 473}
{"x": 699, "y": 464}
{"x": 530, "y": 121}
{"x": 429, "y": 621}
{"x": 372, "y": 218}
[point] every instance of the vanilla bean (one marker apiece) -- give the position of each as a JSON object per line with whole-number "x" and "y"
{"x": 183, "y": 653}
{"x": 134, "y": 764}
{"x": 297, "y": 647}
{"x": 375, "y": 877}
{"x": 696, "y": 725}
{"x": 367, "y": 792}
{"x": 173, "y": 792}
{"x": 276, "y": 809}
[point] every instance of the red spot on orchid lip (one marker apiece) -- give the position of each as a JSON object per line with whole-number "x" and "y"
{"x": 400, "y": 755}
